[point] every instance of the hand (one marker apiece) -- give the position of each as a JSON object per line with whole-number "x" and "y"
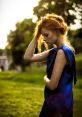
{"x": 37, "y": 34}
{"x": 46, "y": 79}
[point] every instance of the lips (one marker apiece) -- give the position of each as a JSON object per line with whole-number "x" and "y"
{"x": 48, "y": 42}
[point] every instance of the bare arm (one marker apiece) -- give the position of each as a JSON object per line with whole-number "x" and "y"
{"x": 59, "y": 64}
{"x": 30, "y": 56}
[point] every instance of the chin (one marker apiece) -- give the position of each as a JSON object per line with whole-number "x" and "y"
{"x": 50, "y": 45}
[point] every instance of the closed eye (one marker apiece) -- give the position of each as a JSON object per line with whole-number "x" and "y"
{"x": 45, "y": 34}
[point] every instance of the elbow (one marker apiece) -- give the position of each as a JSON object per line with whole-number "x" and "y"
{"x": 26, "y": 58}
{"x": 53, "y": 87}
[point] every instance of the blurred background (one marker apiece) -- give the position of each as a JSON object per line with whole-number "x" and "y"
{"x": 21, "y": 82}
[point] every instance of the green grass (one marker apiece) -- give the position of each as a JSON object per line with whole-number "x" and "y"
{"x": 22, "y": 94}
{"x": 79, "y": 64}
{"x": 77, "y": 91}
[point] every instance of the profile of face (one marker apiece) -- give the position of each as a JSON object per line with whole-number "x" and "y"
{"x": 49, "y": 36}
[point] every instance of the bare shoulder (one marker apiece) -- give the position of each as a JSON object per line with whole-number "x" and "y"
{"x": 61, "y": 53}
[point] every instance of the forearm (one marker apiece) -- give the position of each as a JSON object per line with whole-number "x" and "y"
{"x": 30, "y": 49}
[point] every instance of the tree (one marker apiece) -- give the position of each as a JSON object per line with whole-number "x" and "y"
{"x": 65, "y": 8}
{"x": 19, "y": 39}
{"x": 76, "y": 39}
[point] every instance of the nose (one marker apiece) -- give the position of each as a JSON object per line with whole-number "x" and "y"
{"x": 44, "y": 39}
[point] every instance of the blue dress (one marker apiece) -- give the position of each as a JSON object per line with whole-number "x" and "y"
{"x": 59, "y": 102}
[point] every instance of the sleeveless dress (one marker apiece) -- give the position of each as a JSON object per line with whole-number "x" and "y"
{"x": 59, "y": 102}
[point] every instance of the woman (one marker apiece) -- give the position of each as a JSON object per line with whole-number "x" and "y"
{"x": 58, "y": 95}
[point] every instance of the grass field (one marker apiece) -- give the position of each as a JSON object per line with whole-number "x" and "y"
{"x": 21, "y": 94}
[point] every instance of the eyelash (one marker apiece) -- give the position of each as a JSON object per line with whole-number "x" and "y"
{"x": 46, "y": 35}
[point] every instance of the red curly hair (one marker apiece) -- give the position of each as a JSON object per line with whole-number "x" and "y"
{"x": 51, "y": 22}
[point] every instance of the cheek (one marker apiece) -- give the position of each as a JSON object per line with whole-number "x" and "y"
{"x": 50, "y": 35}
{"x": 54, "y": 39}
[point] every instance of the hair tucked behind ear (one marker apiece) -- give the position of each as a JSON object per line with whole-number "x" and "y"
{"x": 51, "y": 22}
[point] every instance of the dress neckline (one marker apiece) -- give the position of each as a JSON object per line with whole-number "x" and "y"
{"x": 60, "y": 46}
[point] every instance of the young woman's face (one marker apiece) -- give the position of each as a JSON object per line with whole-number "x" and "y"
{"x": 48, "y": 36}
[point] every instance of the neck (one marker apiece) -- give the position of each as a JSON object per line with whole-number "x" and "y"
{"x": 60, "y": 42}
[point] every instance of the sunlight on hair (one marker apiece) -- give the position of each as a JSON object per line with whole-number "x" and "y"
{"x": 40, "y": 42}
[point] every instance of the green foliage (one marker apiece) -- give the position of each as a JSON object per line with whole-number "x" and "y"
{"x": 60, "y": 7}
{"x": 75, "y": 37}
{"x": 19, "y": 39}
